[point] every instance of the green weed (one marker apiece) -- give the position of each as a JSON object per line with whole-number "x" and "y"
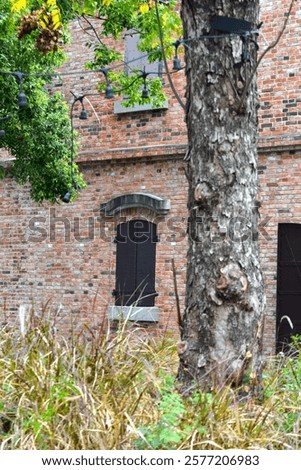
{"x": 119, "y": 391}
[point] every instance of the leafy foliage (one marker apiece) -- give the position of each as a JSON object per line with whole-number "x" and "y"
{"x": 31, "y": 33}
{"x": 166, "y": 433}
{"x": 39, "y": 135}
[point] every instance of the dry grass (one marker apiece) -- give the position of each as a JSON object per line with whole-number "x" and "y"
{"x": 118, "y": 392}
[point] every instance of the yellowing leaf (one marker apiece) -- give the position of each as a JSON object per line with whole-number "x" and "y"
{"x": 43, "y": 24}
{"x": 106, "y": 3}
{"x": 144, "y": 8}
{"x": 164, "y": 19}
{"x": 52, "y": 8}
{"x": 56, "y": 19}
{"x": 155, "y": 44}
{"x": 18, "y": 5}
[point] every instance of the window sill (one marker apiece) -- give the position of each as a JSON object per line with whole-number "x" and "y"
{"x": 120, "y": 109}
{"x": 150, "y": 314}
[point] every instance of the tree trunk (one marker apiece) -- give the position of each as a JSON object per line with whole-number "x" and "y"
{"x": 222, "y": 325}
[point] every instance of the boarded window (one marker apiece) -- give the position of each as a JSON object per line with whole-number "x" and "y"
{"x": 135, "y": 263}
{"x": 137, "y": 59}
{"x": 288, "y": 284}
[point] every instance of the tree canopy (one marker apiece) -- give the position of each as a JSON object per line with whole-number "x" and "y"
{"x": 32, "y": 36}
{"x": 37, "y": 135}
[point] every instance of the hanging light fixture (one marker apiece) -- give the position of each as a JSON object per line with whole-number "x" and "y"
{"x": 145, "y": 92}
{"x": 109, "y": 93}
{"x": 66, "y": 198}
{"x": 176, "y": 61}
{"x": 83, "y": 114}
{"x": 68, "y": 195}
{"x": 22, "y": 98}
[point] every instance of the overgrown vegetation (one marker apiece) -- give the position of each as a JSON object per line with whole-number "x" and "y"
{"x": 118, "y": 391}
{"x": 38, "y": 135}
{"x": 32, "y": 37}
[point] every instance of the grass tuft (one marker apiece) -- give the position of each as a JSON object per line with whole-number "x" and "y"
{"x": 118, "y": 391}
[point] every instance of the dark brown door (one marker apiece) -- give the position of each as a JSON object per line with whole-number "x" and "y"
{"x": 288, "y": 284}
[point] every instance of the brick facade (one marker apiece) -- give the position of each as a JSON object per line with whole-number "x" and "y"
{"x": 279, "y": 143}
{"x": 63, "y": 256}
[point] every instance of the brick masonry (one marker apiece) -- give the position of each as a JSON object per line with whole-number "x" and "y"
{"x": 62, "y": 258}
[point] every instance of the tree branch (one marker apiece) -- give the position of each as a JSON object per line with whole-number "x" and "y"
{"x": 269, "y": 48}
{"x": 91, "y": 26}
{"x": 171, "y": 83}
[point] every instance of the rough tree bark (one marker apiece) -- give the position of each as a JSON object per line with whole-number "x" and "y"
{"x": 222, "y": 325}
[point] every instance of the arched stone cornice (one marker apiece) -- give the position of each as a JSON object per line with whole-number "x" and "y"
{"x": 140, "y": 200}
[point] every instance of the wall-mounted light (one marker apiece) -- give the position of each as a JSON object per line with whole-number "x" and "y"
{"x": 83, "y": 116}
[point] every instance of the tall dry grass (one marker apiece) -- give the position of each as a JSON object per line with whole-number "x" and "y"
{"x": 118, "y": 391}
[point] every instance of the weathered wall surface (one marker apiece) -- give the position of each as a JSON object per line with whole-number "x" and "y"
{"x": 65, "y": 254}
{"x": 279, "y": 143}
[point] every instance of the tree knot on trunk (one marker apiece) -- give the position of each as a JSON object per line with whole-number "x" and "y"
{"x": 181, "y": 347}
{"x": 232, "y": 282}
{"x": 204, "y": 195}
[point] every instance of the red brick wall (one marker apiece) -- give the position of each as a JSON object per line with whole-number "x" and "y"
{"x": 107, "y": 131}
{"x": 51, "y": 255}
{"x": 52, "y": 262}
{"x": 65, "y": 255}
{"x": 279, "y": 81}
{"x": 279, "y": 77}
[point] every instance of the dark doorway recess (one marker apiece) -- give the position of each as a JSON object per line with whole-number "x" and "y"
{"x": 288, "y": 285}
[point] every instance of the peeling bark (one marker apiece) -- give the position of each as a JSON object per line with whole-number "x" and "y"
{"x": 221, "y": 336}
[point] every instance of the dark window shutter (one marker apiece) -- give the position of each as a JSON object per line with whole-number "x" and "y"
{"x": 125, "y": 266}
{"x": 146, "y": 258}
{"x": 135, "y": 263}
